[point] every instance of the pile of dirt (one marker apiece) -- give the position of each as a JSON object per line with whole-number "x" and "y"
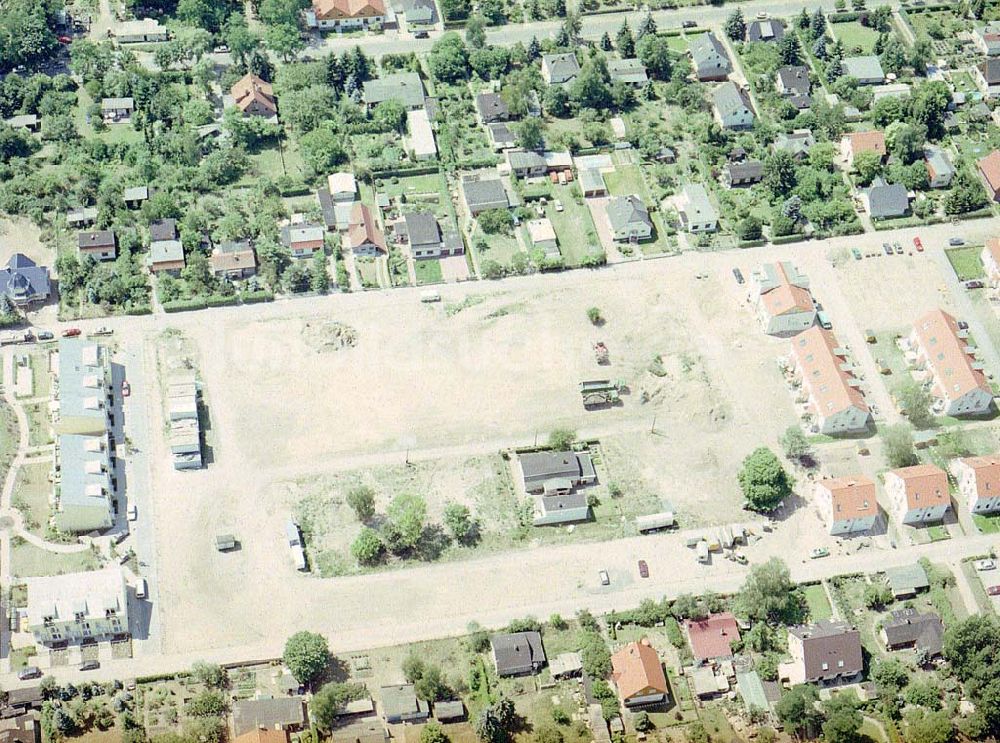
{"x": 330, "y": 336}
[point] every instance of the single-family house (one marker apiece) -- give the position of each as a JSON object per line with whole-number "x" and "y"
{"x": 792, "y": 81}
{"x": 482, "y": 193}
{"x": 234, "y": 260}
{"x": 744, "y": 173}
{"x": 918, "y": 494}
{"x": 631, "y": 72}
{"x": 797, "y": 144}
{"x": 419, "y": 13}
{"x": 24, "y": 282}
{"x": 979, "y": 482}
{"x": 421, "y": 139}
{"x": 31, "y": 122}
{"x": 628, "y": 219}
{"x": 638, "y": 676}
{"x": 517, "y": 653}
{"x": 695, "y": 210}
{"x": 987, "y": 77}
{"x": 400, "y": 704}
{"x": 709, "y": 58}
{"x": 405, "y": 87}
{"x": 866, "y": 69}
{"x": 560, "y": 69}
{"x": 767, "y": 30}
{"x": 906, "y": 581}
{"x": 543, "y": 237}
{"x": 77, "y": 607}
{"x": 959, "y": 385}
{"x": 140, "y": 31}
{"x": 254, "y": 96}
{"x": 166, "y": 253}
{"x": 363, "y": 234}
{"x": 115, "y": 110}
{"x": 823, "y": 653}
{"x": 98, "y": 244}
{"x": 556, "y": 471}
{"x": 286, "y": 713}
{"x": 731, "y": 107}
{"x": 592, "y": 183}
{"x": 828, "y": 384}
{"x": 135, "y": 196}
{"x": 987, "y": 38}
{"x": 491, "y": 107}
{"x": 712, "y": 638}
{"x": 526, "y": 163}
{"x": 423, "y": 234}
{"x": 302, "y": 239}
{"x": 848, "y": 505}
{"x": 343, "y": 187}
{"x": 853, "y": 144}
{"x": 883, "y": 200}
{"x": 347, "y": 15}
{"x": 782, "y": 299}
{"x": 908, "y": 628}
{"x": 940, "y": 171}
{"x": 988, "y": 168}
{"x": 890, "y": 90}
{"x": 500, "y": 135}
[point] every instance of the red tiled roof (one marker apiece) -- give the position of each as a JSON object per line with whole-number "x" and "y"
{"x": 712, "y": 637}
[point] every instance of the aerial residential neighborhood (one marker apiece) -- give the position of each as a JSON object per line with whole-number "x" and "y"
{"x": 518, "y": 371}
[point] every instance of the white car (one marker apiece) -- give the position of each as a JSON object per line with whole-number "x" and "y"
{"x": 985, "y": 565}
{"x": 605, "y": 579}
{"x": 133, "y": 513}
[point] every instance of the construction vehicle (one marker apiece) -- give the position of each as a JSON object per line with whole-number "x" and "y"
{"x": 601, "y": 353}
{"x": 597, "y": 392}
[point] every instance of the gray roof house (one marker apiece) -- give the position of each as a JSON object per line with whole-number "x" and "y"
{"x": 907, "y": 581}
{"x": 517, "y": 653}
{"x": 629, "y": 71}
{"x": 866, "y": 69}
{"x": 419, "y": 12}
{"x": 481, "y": 194}
{"x": 81, "y": 217}
{"x": 426, "y": 239}
{"x": 405, "y": 87}
{"x": 400, "y": 704}
{"x": 793, "y": 81}
{"x": 798, "y": 143}
{"x": 731, "y": 107}
{"x": 766, "y": 30}
{"x": 491, "y": 107}
{"x": 744, "y": 173}
{"x": 987, "y": 77}
{"x": 85, "y": 486}
{"x": 134, "y": 196}
{"x": 884, "y": 200}
{"x": 629, "y": 219}
{"x": 546, "y": 471}
{"x": 709, "y": 57}
{"x": 451, "y": 711}
{"x": 277, "y": 713}
{"x": 908, "y": 628}
{"x": 823, "y": 652}
{"x": 501, "y": 137}
{"x": 24, "y": 121}
{"x": 940, "y": 171}
{"x": 559, "y": 69}
{"x": 526, "y": 164}
{"x": 24, "y": 281}
{"x": 100, "y": 244}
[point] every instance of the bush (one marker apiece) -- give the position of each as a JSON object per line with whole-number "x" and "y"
{"x": 217, "y": 300}
{"x": 185, "y": 305}
{"x": 306, "y": 656}
{"x": 562, "y": 439}
{"x": 255, "y": 297}
{"x": 594, "y": 315}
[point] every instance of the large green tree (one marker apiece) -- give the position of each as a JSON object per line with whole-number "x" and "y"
{"x": 769, "y": 595}
{"x": 763, "y": 480}
{"x": 449, "y": 59}
{"x": 306, "y": 655}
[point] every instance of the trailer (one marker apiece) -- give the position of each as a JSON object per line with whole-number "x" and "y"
{"x": 655, "y": 522}
{"x": 597, "y": 392}
{"x": 702, "y": 549}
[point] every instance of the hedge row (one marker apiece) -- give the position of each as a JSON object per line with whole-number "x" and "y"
{"x": 217, "y": 300}
{"x": 261, "y": 295}
{"x": 184, "y": 305}
{"x": 139, "y": 309}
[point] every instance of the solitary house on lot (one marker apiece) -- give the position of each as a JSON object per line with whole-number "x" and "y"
{"x": 269, "y": 713}
{"x": 551, "y": 471}
{"x": 629, "y": 219}
{"x": 638, "y": 675}
{"x": 31, "y": 122}
{"x": 482, "y": 193}
{"x": 782, "y": 299}
{"x": 400, "y": 704}
{"x": 797, "y": 144}
{"x": 940, "y": 171}
{"x": 906, "y": 581}
{"x": 712, "y": 638}
{"x": 254, "y": 97}
{"x": 347, "y": 15}
{"x": 560, "y": 69}
{"x": 959, "y": 385}
{"x": 141, "y": 31}
{"x": 425, "y": 238}
{"x": 908, "y": 628}
{"x": 853, "y": 144}
{"x": 78, "y": 607}
{"x": 629, "y": 72}
{"x": 708, "y": 55}
{"x": 303, "y": 239}
{"x": 24, "y": 281}
{"x": 363, "y": 234}
{"x": 883, "y": 200}
{"x": 823, "y": 653}
{"x": 695, "y": 210}
{"x": 918, "y": 494}
{"x": 979, "y": 482}
{"x": 491, "y": 107}
{"x": 830, "y": 389}
{"x": 234, "y": 260}
{"x": 115, "y": 110}
{"x": 99, "y": 244}
{"x": 166, "y": 253}
{"x": 866, "y": 69}
{"x": 987, "y": 38}
{"x": 745, "y": 173}
{"x": 543, "y": 236}
{"x": 731, "y": 107}
{"x": 405, "y": 87}
{"x": 793, "y": 83}
{"x": 135, "y": 196}
{"x": 989, "y": 173}
{"x": 768, "y": 30}
{"x": 848, "y": 505}
{"x": 517, "y": 653}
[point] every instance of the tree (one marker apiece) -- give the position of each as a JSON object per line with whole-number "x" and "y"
{"x": 736, "y": 26}
{"x": 642, "y": 723}
{"x": 562, "y": 439}
{"x": 779, "y": 173}
{"x": 209, "y": 703}
{"x": 749, "y": 228}
{"x": 930, "y": 727}
{"x": 795, "y": 444}
{"x": 211, "y": 675}
{"x": 283, "y": 40}
{"x": 530, "y": 133}
{"x": 368, "y": 548}
{"x": 592, "y": 86}
{"x": 606, "y": 45}
{"x": 594, "y": 655}
{"x": 843, "y": 720}
{"x": 361, "y": 499}
{"x": 495, "y": 722}
{"x": 654, "y": 53}
{"x": 877, "y": 595}
{"x": 789, "y": 51}
{"x": 817, "y": 24}
{"x": 625, "y": 41}
{"x": 893, "y": 56}
{"x": 496, "y": 221}
{"x": 456, "y": 10}
{"x": 768, "y": 594}
{"x": 819, "y": 48}
{"x": 966, "y": 195}
{"x": 923, "y": 694}
{"x": 867, "y": 166}
{"x": 433, "y": 733}
{"x": 763, "y": 481}
{"x": 916, "y": 401}
{"x": 449, "y": 59}
{"x": 322, "y": 150}
{"x": 897, "y": 445}
{"x": 475, "y": 34}
{"x": 687, "y": 606}
{"x": 458, "y": 519}
{"x": 306, "y": 655}
{"x": 328, "y": 702}
{"x": 406, "y": 517}
{"x": 595, "y": 316}
{"x": 796, "y": 709}
{"x": 889, "y": 676}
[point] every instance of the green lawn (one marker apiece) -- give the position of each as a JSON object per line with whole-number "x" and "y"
{"x": 626, "y": 180}
{"x": 819, "y": 604}
{"x": 31, "y": 495}
{"x": 966, "y": 262}
{"x": 28, "y": 560}
{"x": 857, "y": 39}
{"x": 938, "y": 533}
{"x": 421, "y": 192}
{"x": 987, "y": 524}
{"x": 499, "y": 248}
{"x": 963, "y": 82}
{"x": 39, "y": 423}
{"x": 574, "y": 228}
{"x": 428, "y": 271}
{"x": 367, "y": 272}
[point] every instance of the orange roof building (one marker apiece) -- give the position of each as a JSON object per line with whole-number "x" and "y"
{"x": 853, "y": 144}
{"x": 989, "y": 173}
{"x": 830, "y": 388}
{"x": 363, "y": 234}
{"x": 942, "y": 348}
{"x": 345, "y": 15}
{"x": 711, "y": 638}
{"x": 979, "y": 482}
{"x": 918, "y": 494}
{"x": 784, "y": 304}
{"x": 254, "y": 96}
{"x": 848, "y": 504}
{"x": 638, "y": 675}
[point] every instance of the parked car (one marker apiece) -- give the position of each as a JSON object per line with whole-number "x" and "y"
{"x": 559, "y": 205}
{"x": 45, "y": 335}
{"x": 103, "y": 330}
{"x": 133, "y": 513}
{"x": 689, "y": 24}
{"x": 819, "y": 552}
{"x": 918, "y": 245}
{"x": 956, "y": 241}
{"x": 29, "y": 672}
{"x": 126, "y": 388}
{"x": 90, "y": 665}
{"x": 898, "y": 247}
{"x": 985, "y": 564}
{"x": 974, "y": 284}
{"x": 605, "y": 580}
{"x": 738, "y": 275}
{"x": 993, "y": 590}
{"x": 643, "y": 569}
{"x": 65, "y": 40}
{"x": 856, "y": 253}
{"x": 963, "y": 325}
{"x": 71, "y": 332}
{"x": 887, "y": 248}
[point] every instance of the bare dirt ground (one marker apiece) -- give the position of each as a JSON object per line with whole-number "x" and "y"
{"x": 23, "y": 236}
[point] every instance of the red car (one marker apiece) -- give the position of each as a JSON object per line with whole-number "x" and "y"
{"x": 918, "y": 245}
{"x": 126, "y": 388}
{"x": 993, "y": 590}
{"x": 65, "y": 40}
{"x": 71, "y": 332}
{"x": 643, "y": 569}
